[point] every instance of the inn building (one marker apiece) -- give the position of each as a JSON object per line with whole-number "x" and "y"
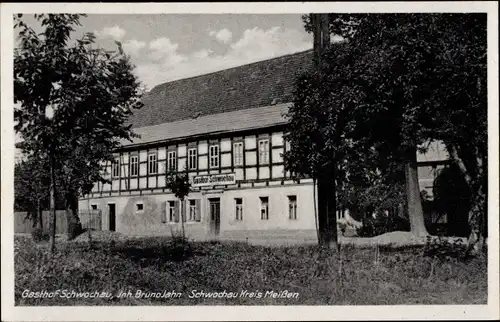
{"x": 226, "y": 130}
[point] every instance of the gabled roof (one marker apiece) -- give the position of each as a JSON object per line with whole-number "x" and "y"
{"x": 248, "y": 119}
{"x": 263, "y": 83}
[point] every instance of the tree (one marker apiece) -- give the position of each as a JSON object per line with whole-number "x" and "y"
{"x": 74, "y": 103}
{"x": 320, "y": 123}
{"x": 422, "y": 79}
{"x": 31, "y": 189}
{"x": 178, "y": 182}
{"x": 31, "y": 183}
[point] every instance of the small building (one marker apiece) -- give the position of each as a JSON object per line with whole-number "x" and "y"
{"x": 226, "y": 129}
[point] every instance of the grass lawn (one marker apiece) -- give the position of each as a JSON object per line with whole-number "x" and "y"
{"x": 402, "y": 276}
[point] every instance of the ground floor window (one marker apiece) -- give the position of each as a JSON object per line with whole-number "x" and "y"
{"x": 239, "y": 208}
{"x": 192, "y": 210}
{"x": 171, "y": 211}
{"x": 264, "y": 208}
{"x": 292, "y": 207}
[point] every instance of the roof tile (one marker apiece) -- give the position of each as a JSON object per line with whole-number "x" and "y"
{"x": 258, "y": 84}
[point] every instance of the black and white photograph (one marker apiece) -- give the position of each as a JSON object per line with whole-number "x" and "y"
{"x": 270, "y": 161}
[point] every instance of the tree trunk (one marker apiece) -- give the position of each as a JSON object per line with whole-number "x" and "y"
{"x": 72, "y": 218}
{"x": 478, "y": 222}
{"x": 52, "y": 213}
{"x": 183, "y": 209}
{"x": 327, "y": 217}
{"x": 478, "y": 213}
{"x": 39, "y": 214}
{"x": 415, "y": 212}
{"x": 321, "y": 34}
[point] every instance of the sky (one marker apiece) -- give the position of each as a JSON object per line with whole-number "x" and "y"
{"x": 167, "y": 47}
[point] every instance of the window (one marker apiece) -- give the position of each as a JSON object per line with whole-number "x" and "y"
{"x": 115, "y": 168}
{"x": 214, "y": 156}
{"x": 171, "y": 211}
{"x": 172, "y": 160}
{"x": 139, "y": 206}
{"x": 134, "y": 165}
{"x": 152, "y": 163}
{"x": 94, "y": 207}
{"x": 264, "y": 208}
{"x": 292, "y": 207}
{"x": 192, "y": 210}
{"x": 239, "y": 208}
{"x": 238, "y": 154}
{"x": 264, "y": 151}
{"x": 192, "y": 159}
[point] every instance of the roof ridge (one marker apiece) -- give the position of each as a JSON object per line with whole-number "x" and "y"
{"x": 231, "y": 68}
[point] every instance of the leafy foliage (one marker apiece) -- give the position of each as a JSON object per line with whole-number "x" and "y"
{"x": 444, "y": 249}
{"x": 319, "y": 120}
{"x": 31, "y": 180}
{"x": 38, "y": 235}
{"x": 382, "y": 224}
{"x": 74, "y": 101}
{"x": 178, "y": 182}
{"x": 31, "y": 189}
{"x": 401, "y": 80}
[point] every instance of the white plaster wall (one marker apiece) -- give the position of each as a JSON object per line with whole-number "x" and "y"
{"x": 278, "y": 208}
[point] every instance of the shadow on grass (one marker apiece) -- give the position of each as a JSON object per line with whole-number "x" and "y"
{"x": 153, "y": 255}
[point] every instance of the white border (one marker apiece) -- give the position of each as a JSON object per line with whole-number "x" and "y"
{"x": 157, "y": 313}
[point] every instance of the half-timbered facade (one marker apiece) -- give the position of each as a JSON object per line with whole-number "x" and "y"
{"x": 226, "y": 130}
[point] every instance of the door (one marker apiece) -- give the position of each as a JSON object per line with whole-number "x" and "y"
{"x": 214, "y": 216}
{"x": 112, "y": 216}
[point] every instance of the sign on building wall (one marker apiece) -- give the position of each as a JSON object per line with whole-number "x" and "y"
{"x": 214, "y": 179}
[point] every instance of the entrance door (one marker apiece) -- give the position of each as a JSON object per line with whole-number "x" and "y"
{"x": 112, "y": 216}
{"x": 214, "y": 216}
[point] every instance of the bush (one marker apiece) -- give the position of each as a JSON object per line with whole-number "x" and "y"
{"x": 443, "y": 249}
{"x": 381, "y": 225}
{"x": 39, "y": 235}
{"x": 74, "y": 229}
{"x": 179, "y": 248}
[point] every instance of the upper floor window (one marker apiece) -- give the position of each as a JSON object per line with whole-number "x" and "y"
{"x": 115, "y": 168}
{"x": 192, "y": 159}
{"x": 238, "y": 154}
{"x": 152, "y": 163}
{"x": 214, "y": 156}
{"x": 134, "y": 165}
{"x": 264, "y": 151}
{"x": 172, "y": 160}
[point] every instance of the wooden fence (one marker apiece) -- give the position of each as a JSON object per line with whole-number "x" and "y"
{"x": 24, "y": 225}
{"x": 89, "y": 220}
